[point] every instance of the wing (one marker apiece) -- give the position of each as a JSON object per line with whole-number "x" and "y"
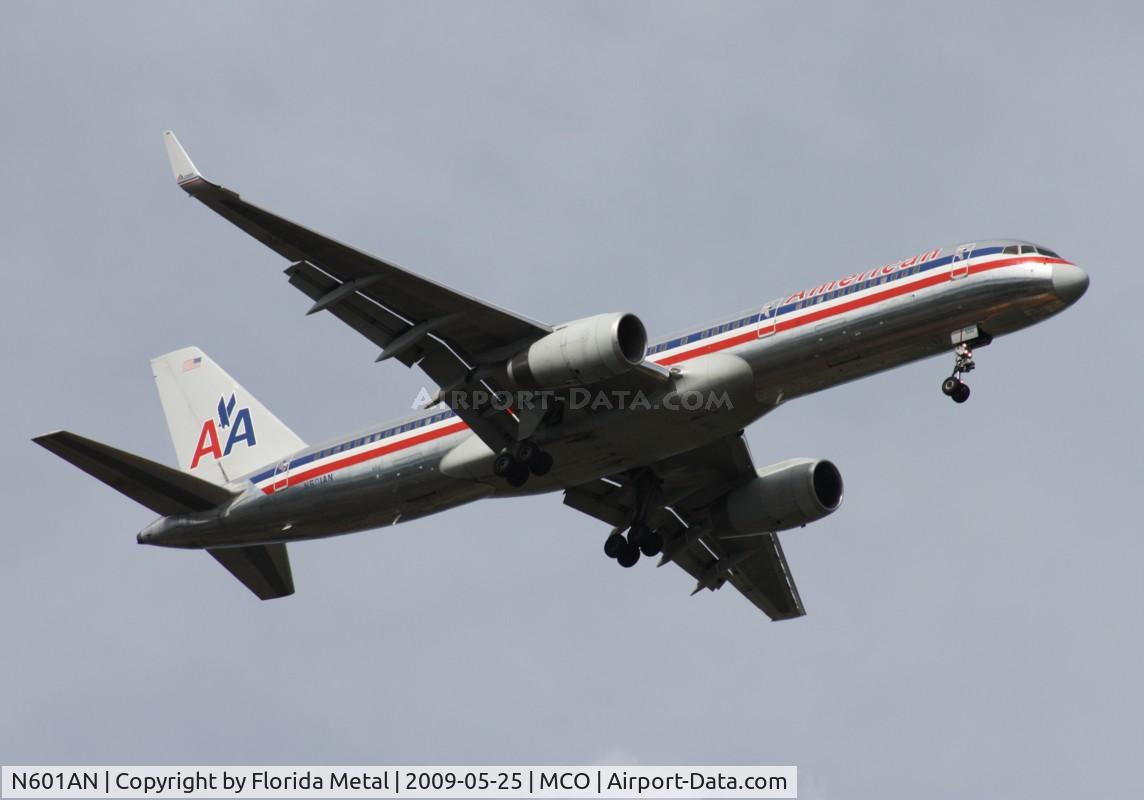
{"x": 677, "y": 494}
{"x": 453, "y": 337}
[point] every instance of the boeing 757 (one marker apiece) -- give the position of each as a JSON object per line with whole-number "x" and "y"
{"x": 644, "y": 436}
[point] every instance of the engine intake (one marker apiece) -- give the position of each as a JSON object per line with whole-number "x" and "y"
{"x": 782, "y": 496}
{"x": 581, "y": 353}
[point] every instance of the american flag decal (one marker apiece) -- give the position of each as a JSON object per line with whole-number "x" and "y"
{"x": 192, "y": 363}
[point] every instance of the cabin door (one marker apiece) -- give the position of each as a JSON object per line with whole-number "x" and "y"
{"x": 282, "y": 476}
{"x": 767, "y": 318}
{"x": 961, "y": 262}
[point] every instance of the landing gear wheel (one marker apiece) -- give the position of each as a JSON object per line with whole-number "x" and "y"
{"x": 962, "y": 363}
{"x": 526, "y": 452}
{"x": 651, "y": 544}
{"x": 541, "y": 464}
{"x": 518, "y": 476}
{"x": 531, "y": 457}
{"x": 504, "y": 464}
{"x": 614, "y": 545}
{"x": 629, "y": 555}
{"x": 638, "y": 533}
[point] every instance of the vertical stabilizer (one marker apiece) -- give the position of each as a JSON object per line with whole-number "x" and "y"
{"x": 220, "y": 431}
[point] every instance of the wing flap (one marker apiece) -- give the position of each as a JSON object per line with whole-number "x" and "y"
{"x": 412, "y": 344}
{"x": 369, "y": 319}
{"x": 606, "y": 502}
{"x": 764, "y": 578}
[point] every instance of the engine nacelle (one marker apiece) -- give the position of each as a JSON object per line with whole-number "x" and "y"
{"x": 581, "y": 352}
{"x": 781, "y": 496}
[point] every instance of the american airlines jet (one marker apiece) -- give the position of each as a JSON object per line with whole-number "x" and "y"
{"x": 646, "y": 437}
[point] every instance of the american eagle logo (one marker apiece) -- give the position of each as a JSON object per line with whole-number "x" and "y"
{"x": 235, "y": 424}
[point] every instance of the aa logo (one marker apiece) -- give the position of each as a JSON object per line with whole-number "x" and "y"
{"x": 236, "y": 425}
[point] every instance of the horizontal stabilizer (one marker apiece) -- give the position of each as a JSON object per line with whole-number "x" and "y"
{"x": 263, "y": 569}
{"x": 160, "y": 488}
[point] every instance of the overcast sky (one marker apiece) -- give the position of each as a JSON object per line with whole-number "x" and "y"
{"x": 974, "y": 623}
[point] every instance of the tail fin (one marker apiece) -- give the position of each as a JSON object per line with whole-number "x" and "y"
{"x": 219, "y": 429}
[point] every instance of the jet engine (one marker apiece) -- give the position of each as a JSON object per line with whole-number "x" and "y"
{"x": 581, "y": 352}
{"x": 782, "y": 496}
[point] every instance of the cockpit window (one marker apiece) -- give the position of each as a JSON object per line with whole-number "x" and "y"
{"x": 1028, "y": 250}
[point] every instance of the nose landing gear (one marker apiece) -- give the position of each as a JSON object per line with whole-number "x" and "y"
{"x": 953, "y": 385}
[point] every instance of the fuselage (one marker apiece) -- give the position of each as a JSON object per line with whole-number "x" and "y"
{"x": 723, "y": 376}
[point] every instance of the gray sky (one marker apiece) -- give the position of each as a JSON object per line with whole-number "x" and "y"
{"x": 974, "y": 608}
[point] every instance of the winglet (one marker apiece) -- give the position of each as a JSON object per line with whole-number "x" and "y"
{"x": 185, "y": 173}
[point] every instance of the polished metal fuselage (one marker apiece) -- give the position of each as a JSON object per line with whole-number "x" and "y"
{"x": 786, "y": 350}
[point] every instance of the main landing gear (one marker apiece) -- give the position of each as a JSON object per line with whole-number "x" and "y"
{"x": 627, "y": 549}
{"x": 517, "y": 463}
{"x": 953, "y": 385}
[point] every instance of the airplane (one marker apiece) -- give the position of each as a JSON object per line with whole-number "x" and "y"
{"x": 645, "y": 437}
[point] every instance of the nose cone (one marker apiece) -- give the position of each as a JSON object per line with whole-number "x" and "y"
{"x": 1069, "y": 282}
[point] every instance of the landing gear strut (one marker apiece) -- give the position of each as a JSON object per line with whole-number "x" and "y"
{"x": 962, "y": 363}
{"x": 517, "y": 463}
{"x": 639, "y": 538}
